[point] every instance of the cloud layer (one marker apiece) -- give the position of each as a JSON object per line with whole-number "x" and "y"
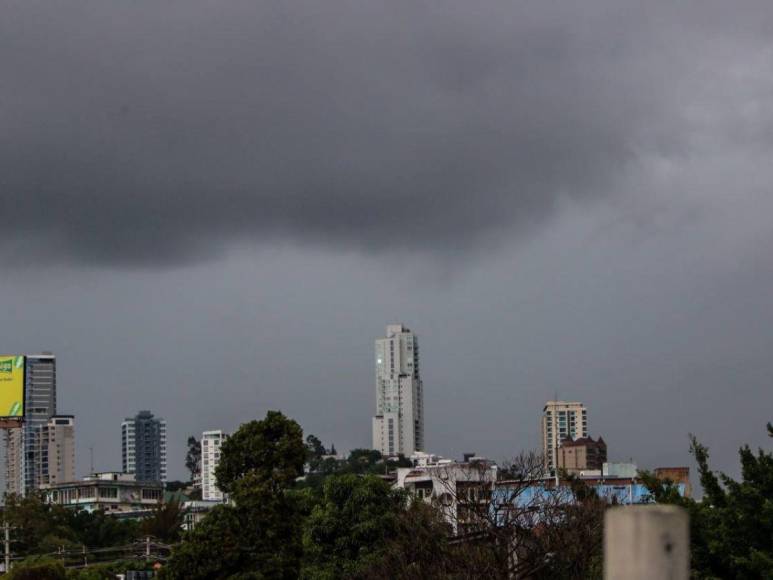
{"x": 149, "y": 133}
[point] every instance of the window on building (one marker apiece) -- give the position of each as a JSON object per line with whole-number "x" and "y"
{"x": 108, "y": 493}
{"x": 151, "y": 494}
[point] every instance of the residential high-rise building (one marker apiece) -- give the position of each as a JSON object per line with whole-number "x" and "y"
{"x": 24, "y": 444}
{"x": 57, "y": 450}
{"x": 210, "y": 457}
{"x": 14, "y": 446}
{"x": 143, "y": 442}
{"x": 398, "y": 426}
{"x": 561, "y": 419}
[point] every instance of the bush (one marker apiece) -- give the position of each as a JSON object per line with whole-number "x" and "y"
{"x": 38, "y": 569}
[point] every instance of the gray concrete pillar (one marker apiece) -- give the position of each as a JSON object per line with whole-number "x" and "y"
{"x": 649, "y": 542}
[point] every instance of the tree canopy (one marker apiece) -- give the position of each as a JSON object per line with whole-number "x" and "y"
{"x": 269, "y": 454}
{"x": 731, "y": 529}
{"x": 260, "y": 535}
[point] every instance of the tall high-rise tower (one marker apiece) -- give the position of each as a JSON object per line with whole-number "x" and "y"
{"x": 561, "y": 419}
{"x": 24, "y": 445}
{"x": 143, "y": 443}
{"x": 398, "y": 427}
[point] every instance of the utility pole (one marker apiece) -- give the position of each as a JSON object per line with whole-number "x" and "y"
{"x": 7, "y": 530}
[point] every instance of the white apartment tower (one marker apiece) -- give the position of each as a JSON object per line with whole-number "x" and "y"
{"x": 561, "y": 419}
{"x": 210, "y": 457}
{"x": 398, "y": 427}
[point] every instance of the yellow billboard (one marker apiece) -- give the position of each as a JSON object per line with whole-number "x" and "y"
{"x": 11, "y": 386}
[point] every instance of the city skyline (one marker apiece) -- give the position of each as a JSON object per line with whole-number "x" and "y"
{"x": 217, "y": 220}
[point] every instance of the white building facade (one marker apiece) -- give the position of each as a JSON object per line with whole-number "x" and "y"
{"x": 398, "y": 426}
{"x": 561, "y": 419}
{"x": 210, "y": 457}
{"x": 116, "y": 494}
{"x": 461, "y": 491}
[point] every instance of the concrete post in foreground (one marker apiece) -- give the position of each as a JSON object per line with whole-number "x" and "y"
{"x": 649, "y": 542}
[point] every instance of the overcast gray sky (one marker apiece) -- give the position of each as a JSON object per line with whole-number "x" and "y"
{"x": 211, "y": 209}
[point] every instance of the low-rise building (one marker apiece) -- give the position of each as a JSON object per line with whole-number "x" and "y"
{"x": 458, "y": 489}
{"x": 422, "y": 459}
{"x": 113, "y": 493}
{"x": 619, "y": 470}
{"x": 617, "y": 483}
{"x": 582, "y": 454}
{"x": 195, "y": 511}
{"x": 676, "y": 475}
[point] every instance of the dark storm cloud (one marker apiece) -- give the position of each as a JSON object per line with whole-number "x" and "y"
{"x": 154, "y": 132}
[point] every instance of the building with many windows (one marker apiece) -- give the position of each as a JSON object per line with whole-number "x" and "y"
{"x": 461, "y": 491}
{"x": 210, "y": 457}
{"x": 116, "y": 494}
{"x": 57, "y": 450}
{"x": 26, "y": 444}
{"x": 143, "y": 444}
{"x": 576, "y": 456}
{"x": 398, "y": 426}
{"x": 561, "y": 419}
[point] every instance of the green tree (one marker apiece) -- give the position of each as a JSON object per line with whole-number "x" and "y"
{"x": 219, "y": 547}
{"x": 363, "y": 460}
{"x": 38, "y": 527}
{"x": 165, "y": 522}
{"x": 420, "y": 548}
{"x": 314, "y": 447}
{"x": 38, "y": 569}
{"x": 107, "y": 571}
{"x": 98, "y": 530}
{"x": 193, "y": 457}
{"x": 41, "y": 528}
{"x": 260, "y": 536}
{"x": 315, "y": 451}
{"x": 348, "y": 531}
{"x": 731, "y": 529}
{"x": 265, "y": 454}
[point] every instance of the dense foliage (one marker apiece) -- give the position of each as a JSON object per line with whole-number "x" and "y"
{"x": 165, "y": 522}
{"x": 49, "y": 569}
{"x": 349, "y": 528}
{"x": 193, "y": 457}
{"x": 260, "y": 535}
{"x": 343, "y": 520}
{"x": 40, "y": 528}
{"x": 732, "y": 527}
